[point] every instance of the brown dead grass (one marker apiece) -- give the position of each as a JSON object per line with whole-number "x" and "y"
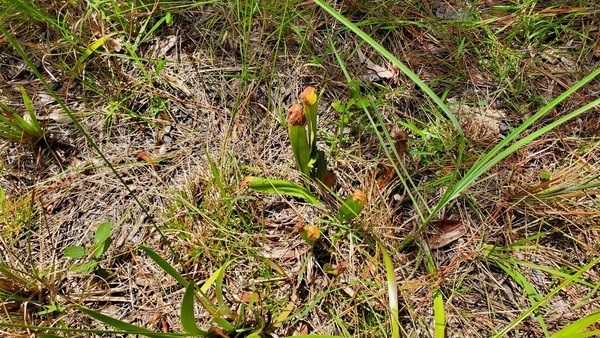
{"x": 204, "y": 100}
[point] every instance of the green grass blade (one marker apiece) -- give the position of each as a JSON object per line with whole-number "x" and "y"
{"x": 404, "y": 69}
{"x": 188, "y": 319}
{"x": 33, "y": 125}
{"x": 439, "y": 313}
{"x": 545, "y": 299}
{"x": 87, "y": 52}
{"x": 574, "y": 329}
{"x": 217, "y": 177}
{"x": 392, "y": 290}
{"x": 119, "y": 324}
{"x": 168, "y": 268}
{"x": 217, "y": 279}
{"x": 495, "y": 155}
{"x": 531, "y": 292}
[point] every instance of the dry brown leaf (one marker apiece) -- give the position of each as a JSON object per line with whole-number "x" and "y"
{"x": 113, "y": 45}
{"x": 454, "y": 232}
{"x": 144, "y": 156}
{"x": 159, "y": 322}
{"x": 329, "y": 179}
{"x": 385, "y": 174}
{"x": 400, "y": 137}
{"x": 374, "y": 72}
{"x": 246, "y": 296}
{"x": 446, "y": 225}
{"x": 597, "y": 49}
{"x": 302, "y": 329}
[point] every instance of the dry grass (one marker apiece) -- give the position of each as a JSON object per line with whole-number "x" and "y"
{"x": 215, "y": 84}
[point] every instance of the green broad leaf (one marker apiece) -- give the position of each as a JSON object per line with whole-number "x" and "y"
{"x": 74, "y": 251}
{"x": 168, "y": 268}
{"x": 224, "y": 324}
{"x": 101, "y": 248}
{"x": 103, "y": 232}
{"x": 363, "y": 103}
{"x": 188, "y": 319}
{"x": 339, "y": 107}
{"x": 102, "y": 239}
{"x": 280, "y": 187}
{"x": 53, "y": 307}
{"x": 545, "y": 175}
{"x": 84, "y": 268}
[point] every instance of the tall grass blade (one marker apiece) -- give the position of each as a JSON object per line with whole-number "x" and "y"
{"x": 404, "y": 69}
{"x": 496, "y": 155}
{"x": 531, "y": 292}
{"x": 392, "y": 291}
{"x": 119, "y": 324}
{"x": 575, "y": 328}
{"x": 545, "y": 299}
{"x": 168, "y": 268}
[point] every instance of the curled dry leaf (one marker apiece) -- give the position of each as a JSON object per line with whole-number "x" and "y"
{"x": 400, "y": 137}
{"x": 446, "y": 225}
{"x": 144, "y": 156}
{"x": 385, "y": 174}
{"x": 159, "y": 322}
{"x": 451, "y": 231}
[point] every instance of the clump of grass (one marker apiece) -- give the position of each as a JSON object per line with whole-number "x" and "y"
{"x": 18, "y": 129}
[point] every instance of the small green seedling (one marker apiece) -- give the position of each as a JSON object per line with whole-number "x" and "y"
{"x": 352, "y": 206}
{"x": 310, "y": 161}
{"x": 102, "y": 241}
{"x": 17, "y": 129}
{"x": 302, "y": 128}
{"x": 310, "y": 233}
